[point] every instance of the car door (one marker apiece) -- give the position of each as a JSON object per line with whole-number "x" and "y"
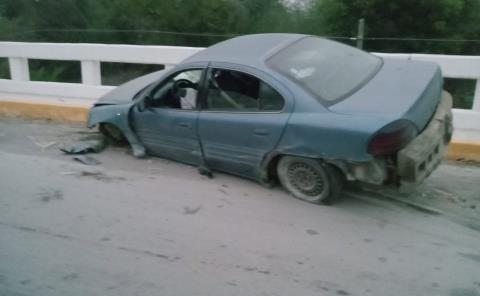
{"x": 242, "y": 118}
{"x": 167, "y": 124}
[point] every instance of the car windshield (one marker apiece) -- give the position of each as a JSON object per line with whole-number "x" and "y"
{"x": 328, "y": 69}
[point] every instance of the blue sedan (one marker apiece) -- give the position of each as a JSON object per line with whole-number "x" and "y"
{"x": 305, "y": 111}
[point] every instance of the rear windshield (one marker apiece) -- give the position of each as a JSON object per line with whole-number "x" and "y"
{"x": 328, "y": 69}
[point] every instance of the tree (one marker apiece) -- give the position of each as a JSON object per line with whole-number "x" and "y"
{"x": 443, "y": 19}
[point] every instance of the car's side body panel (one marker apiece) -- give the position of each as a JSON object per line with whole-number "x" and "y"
{"x": 118, "y": 106}
{"x": 237, "y": 142}
{"x": 168, "y": 133}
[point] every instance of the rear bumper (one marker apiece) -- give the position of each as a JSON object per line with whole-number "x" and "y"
{"x": 423, "y": 155}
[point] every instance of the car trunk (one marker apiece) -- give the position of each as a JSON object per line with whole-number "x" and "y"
{"x": 402, "y": 89}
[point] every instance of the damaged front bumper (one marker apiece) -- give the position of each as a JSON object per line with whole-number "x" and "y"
{"x": 423, "y": 155}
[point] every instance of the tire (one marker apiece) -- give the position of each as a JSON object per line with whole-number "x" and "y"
{"x": 310, "y": 180}
{"x": 112, "y": 133}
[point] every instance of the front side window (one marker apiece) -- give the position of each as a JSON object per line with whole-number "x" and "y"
{"x": 230, "y": 90}
{"x": 178, "y": 92}
{"x": 328, "y": 69}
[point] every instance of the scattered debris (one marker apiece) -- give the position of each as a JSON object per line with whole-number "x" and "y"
{"x": 191, "y": 211}
{"x": 253, "y": 269}
{"x": 43, "y": 145}
{"x": 403, "y": 200}
{"x": 91, "y": 174}
{"x": 417, "y": 206}
{"x": 447, "y": 195}
{"x": 464, "y": 292}
{"x": 468, "y": 161}
{"x": 47, "y": 195}
{"x": 382, "y": 259}
{"x": 475, "y": 257}
{"x": 97, "y": 175}
{"x": 87, "y": 160}
{"x": 68, "y": 173}
{"x": 25, "y": 282}
{"x": 204, "y": 171}
{"x": 150, "y": 253}
{"x": 91, "y": 144}
{"x": 70, "y": 276}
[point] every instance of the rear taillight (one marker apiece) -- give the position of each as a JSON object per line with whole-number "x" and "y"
{"x": 392, "y": 138}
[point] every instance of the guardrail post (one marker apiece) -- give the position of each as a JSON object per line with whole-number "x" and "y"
{"x": 19, "y": 69}
{"x": 168, "y": 67}
{"x": 91, "y": 73}
{"x": 361, "y": 33}
{"x": 476, "y": 97}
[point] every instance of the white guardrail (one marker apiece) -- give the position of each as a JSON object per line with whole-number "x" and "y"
{"x": 91, "y": 55}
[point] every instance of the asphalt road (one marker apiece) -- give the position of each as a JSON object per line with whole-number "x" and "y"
{"x": 153, "y": 227}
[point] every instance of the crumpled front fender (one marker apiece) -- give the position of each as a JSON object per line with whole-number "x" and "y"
{"x": 117, "y": 115}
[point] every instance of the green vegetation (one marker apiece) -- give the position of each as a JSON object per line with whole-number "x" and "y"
{"x": 61, "y": 71}
{"x": 139, "y": 21}
{"x": 205, "y": 22}
{"x": 4, "y": 73}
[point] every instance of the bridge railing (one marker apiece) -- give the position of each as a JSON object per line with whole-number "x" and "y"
{"x": 91, "y": 56}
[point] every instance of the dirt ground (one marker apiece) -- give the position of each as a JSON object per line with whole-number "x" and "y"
{"x": 154, "y": 227}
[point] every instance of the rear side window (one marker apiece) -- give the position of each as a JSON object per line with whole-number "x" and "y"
{"x": 236, "y": 91}
{"x": 328, "y": 69}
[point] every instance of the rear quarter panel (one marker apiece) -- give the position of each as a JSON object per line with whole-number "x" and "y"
{"x": 329, "y": 135}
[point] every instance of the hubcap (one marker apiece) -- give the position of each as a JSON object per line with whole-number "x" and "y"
{"x": 306, "y": 179}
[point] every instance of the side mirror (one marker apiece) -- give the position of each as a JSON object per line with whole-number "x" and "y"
{"x": 142, "y": 105}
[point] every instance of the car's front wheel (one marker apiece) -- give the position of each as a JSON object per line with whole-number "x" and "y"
{"x": 112, "y": 133}
{"x": 310, "y": 179}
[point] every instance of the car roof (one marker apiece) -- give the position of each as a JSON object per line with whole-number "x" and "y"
{"x": 249, "y": 50}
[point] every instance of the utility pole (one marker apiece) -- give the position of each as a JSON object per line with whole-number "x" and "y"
{"x": 361, "y": 33}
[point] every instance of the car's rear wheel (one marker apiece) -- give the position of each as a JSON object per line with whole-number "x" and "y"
{"x": 310, "y": 179}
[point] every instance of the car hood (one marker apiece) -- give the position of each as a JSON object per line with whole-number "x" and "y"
{"x": 401, "y": 89}
{"x": 124, "y": 93}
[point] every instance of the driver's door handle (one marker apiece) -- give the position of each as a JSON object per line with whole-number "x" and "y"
{"x": 260, "y": 132}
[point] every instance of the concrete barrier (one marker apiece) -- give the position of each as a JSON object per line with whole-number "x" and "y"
{"x": 44, "y": 110}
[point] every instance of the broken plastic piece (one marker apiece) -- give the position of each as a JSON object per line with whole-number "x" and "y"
{"x": 85, "y": 159}
{"x": 92, "y": 144}
{"x": 42, "y": 145}
{"x": 205, "y": 171}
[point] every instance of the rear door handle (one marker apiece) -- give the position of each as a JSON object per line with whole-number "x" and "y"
{"x": 185, "y": 125}
{"x": 260, "y": 132}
